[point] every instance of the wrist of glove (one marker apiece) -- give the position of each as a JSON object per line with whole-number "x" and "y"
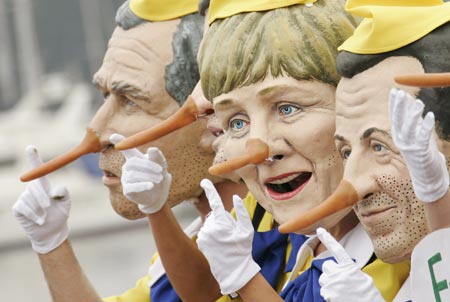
{"x": 429, "y": 175}
{"x": 43, "y": 216}
{"x": 346, "y": 282}
{"x": 227, "y": 243}
{"x": 237, "y": 277}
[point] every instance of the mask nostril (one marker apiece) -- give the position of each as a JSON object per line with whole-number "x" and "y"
{"x": 368, "y": 195}
{"x": 277, "y": 157}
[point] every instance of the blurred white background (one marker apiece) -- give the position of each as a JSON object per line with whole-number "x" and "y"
{"x": 48, "y": 54}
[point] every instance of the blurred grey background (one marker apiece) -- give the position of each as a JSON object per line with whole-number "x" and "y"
{"x": 49, "y": 50}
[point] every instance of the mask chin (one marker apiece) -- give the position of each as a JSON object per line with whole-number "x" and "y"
{"x": 125, "y": 208}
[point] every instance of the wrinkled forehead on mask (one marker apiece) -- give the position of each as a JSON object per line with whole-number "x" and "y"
{"x": 432, "y": 52}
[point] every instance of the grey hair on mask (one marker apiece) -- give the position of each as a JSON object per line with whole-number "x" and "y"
{"x": 182, "y": 74}
{"x": 125, "y": 18}
{"x": 203, "y": 5}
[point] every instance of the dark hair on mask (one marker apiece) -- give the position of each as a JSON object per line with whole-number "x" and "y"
{"x": 125, "y": 18}
{"x": 182, "y": 74}
{"x": 203, "y": 5}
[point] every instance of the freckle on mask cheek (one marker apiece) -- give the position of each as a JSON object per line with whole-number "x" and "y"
{"x": 395, "y": 237}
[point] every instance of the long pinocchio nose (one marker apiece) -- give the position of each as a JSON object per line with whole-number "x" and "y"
{"x": 424, "y": 80}
{"x": 186, "y": 115}
{"x": 257, "y": 152}
{"x": 352, "y": 188}
{"x": 89, "y": 144}
{"x": 344, "y": 196}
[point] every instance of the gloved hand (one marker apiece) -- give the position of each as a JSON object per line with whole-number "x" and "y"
{"x": 343, "y": 280}
{"x": 227, "y": 243}
{"x": 145, "y": 179}
{"x": 43, "y": 210}
{"x": 414, "y": 137}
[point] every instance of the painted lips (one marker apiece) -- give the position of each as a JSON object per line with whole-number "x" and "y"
{"x": 375, "y": 215}
{"x": 286, "y": 186}
{"x": 110, "y": 179}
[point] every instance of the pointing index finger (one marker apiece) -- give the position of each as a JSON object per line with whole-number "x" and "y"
{"x": 128, "y": 153}
{"x": 335, "y": 248}
{"x": 36, "y": 161}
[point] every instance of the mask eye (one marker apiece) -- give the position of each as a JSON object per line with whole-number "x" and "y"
{"x": 346, "y": 154}
{"x": 130, "y": 103}
{"x": 238, "y": 124}
{"x": 287, "y": 109}
{"x": 379, "y": 148}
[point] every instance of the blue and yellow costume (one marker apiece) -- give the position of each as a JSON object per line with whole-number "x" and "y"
{"x": 276, "y": 254}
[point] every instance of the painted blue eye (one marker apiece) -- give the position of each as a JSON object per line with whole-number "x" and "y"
{"x": 287, "y": 109}
{"x": 346, "y": 154}
{"x": 131, "y": 103}
{"x": 379, "y": 148}
{"x": 237, "y": 124}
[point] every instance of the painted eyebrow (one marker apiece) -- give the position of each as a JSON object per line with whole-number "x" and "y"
{"x": 372, "y": 130}
{"x": 340, "y": 138}
{"x": 272, "y": 90}
{"x": 121, "y": 87}
{"x": 224, "y": 103}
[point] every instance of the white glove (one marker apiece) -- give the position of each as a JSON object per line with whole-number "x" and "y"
{"x": 145, "y": 179}
{"x": 344, "y": 281}
{"x": 227, "y": 243}
{"x": 43, "y": 210}
{"x": 414, "y": 137}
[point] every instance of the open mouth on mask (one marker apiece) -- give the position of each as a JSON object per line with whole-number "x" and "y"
{"x": 110, "y": 179}
{"x": 287, "y": 185}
